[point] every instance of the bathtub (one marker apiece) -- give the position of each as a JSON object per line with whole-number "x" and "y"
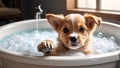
{"x": 10, "y": 59}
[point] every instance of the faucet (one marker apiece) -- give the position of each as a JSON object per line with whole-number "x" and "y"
{"x": 39, "y": 11}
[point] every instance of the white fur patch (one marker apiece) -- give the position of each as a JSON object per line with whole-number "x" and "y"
{"x": 72, "y": 17}
{"x": 74, "y": 35}
{"x": 74, "y": 47}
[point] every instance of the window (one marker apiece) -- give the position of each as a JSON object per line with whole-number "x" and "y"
{"x": 111, "y": 5}
{"x": 86, "y": 4}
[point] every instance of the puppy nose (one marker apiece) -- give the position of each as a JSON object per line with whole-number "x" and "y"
{"x": 73, "y": 39}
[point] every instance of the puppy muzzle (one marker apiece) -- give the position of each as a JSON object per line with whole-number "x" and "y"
{"x": 73, "y": 39}
{"x": 73, "y": 44}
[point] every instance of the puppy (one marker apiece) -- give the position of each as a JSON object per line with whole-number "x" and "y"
{"x": 74, "y": 34}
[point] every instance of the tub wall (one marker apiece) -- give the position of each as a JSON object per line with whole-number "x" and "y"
{"x": 12, "y": 64}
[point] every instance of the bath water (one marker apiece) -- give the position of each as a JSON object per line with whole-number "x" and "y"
{"x": 26, "y": 42}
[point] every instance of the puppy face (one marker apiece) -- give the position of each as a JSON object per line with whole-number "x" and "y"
{"x": 74, "y": 30}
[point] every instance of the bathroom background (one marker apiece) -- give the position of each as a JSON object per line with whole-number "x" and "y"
{"x": 27, "y": 8}
{"x": 48, "y": 6}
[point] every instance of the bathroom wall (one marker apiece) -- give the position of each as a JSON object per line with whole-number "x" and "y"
{"x": 48, "y": 6}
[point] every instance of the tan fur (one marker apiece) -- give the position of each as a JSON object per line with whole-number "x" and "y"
{"x": 59, "y": 22}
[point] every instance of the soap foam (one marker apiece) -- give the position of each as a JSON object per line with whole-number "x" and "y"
{"x": 26, "y": 42}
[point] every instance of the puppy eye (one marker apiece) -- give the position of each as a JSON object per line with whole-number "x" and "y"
{"x": 65, "y": 30}
{"x": 82, "y": 29}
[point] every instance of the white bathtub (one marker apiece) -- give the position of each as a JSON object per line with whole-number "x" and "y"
{"x": 9, "y": 59}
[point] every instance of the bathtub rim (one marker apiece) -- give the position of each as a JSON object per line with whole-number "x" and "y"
{"x": 63, "y": 60}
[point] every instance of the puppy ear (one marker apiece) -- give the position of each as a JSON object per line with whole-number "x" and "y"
{"x": 54, "y": 20}
{"x": 92, "y": 21}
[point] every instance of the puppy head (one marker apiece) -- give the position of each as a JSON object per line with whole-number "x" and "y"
{"x": 74, "y": 30}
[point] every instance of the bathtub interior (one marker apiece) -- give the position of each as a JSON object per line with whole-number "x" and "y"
{"x": 22, "y": 26}
{"x": 110, "y": 29}
{"x": 30, "y": 24}
{"x": 43, "y": 24}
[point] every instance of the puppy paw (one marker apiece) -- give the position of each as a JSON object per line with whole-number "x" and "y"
{"x": 88, "y": 52}
{"x": 46, "y": 46}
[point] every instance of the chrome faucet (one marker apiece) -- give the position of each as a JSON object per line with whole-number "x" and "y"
{"x": 39, "y": 11}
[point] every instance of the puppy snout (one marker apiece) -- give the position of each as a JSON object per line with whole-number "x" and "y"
{"x": 73, "y": 39}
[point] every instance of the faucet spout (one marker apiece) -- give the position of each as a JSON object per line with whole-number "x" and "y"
{"x": 39, "y": 11}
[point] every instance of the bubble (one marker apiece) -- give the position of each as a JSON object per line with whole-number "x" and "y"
{"x": 112, "y": 38}
{"x": 100, "y": 35}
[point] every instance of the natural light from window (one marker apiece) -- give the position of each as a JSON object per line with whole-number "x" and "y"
{"x": 89, "y": 4}
{"x": 110, "y": 4}
{"x": 113, "y": 5}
